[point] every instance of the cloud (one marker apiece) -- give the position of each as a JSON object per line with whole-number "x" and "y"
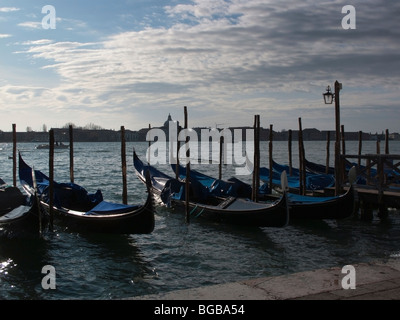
{"x": 37, "y": 42}
{"x": 31, "y": 24}
{"x": 9, "y": 9}
{"x": 223, "y": 57}
{"x": 199, "y": 9}
{"x": 5, "y": 35}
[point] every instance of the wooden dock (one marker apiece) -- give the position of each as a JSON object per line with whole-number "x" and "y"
{"x": 381, "y": 175}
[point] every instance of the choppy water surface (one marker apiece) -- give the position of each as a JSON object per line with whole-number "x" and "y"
{"x": 176, "y": 255}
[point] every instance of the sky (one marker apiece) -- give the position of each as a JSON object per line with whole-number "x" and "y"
{"x": 132, "y": 62}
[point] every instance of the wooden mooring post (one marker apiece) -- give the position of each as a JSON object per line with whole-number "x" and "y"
{"x": 178, "y": 145}
{"x": 359, "y": 147}
{"x": 270, "y": 146}
{"x": 71, "y": 154}
{"x": 149, "y": 148}
{"x": 343, "y": 139}
{"x": 123, "y": 162}
{"x": 14, "y": 128}
{"x": 221, "y": 152}
{"x": 256, "y": 159}
{"x": 387, "y": 141}
{"x": 290, "y": 152}
{"x": 187, "y": 184}
{"x": 302, "y": 175}
{"x": 51, "y": 177}
{"x": 328, "y": 145}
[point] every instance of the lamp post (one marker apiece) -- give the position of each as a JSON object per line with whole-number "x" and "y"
{"x": 328, "y": 99}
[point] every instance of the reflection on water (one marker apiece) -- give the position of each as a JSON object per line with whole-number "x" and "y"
{"x": 176, "y": 255}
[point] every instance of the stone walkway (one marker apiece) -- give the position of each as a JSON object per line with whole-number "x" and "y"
{"x": 373, "y": 281}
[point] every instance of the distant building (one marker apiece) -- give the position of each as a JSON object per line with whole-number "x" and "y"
{"x": 165, "y": 126}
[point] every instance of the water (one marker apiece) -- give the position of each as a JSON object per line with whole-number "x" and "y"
{"x": 177, "y": 255}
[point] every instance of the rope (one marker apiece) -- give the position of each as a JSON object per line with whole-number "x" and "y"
{"x": 193, "y": 210}
{"x": 197, "y": 215}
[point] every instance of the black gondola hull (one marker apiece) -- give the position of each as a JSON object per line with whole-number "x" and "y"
{"x": 139, "y": 220}
{"x": 338, "y": 208}
{"x": 233, "y": 211}
{"x": 23, "y": 221}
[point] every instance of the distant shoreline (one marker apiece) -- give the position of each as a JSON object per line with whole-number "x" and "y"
{"x": 105, "y": 135}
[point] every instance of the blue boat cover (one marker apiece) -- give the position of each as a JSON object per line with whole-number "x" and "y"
{"x": 201, "y": 186}
{"x": 296, "y": 198}
{"x": 233, "y": 187}
{"x": 67, "y": 195}
{"x": 172, "y": 189}
{"x": 280, "y": 168}
{"x": 203, "y": 179}
{"x": 175, "y": 189}
{"x": 111, "y": 208}
{"x": 313, "y": 181}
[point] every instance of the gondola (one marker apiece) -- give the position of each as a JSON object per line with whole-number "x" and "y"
{"x": 21, "y": 216}
{"x": 78, "y": 210}
{"x": 300, "y": 207}
{"x": 318, "y": 207}
{"x": 230, "y": 210}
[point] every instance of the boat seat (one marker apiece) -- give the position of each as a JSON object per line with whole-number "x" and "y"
{"x": 227, "y": 202}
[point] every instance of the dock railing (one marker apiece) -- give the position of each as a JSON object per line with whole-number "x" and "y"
{"x": 379, "y": 171}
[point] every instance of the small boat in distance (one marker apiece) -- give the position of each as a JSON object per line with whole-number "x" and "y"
{"x": 57, "y": 145}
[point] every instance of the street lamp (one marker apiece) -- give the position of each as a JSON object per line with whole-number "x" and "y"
{"x": 328, "y": 99}
{"x": 328, "y": 95}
